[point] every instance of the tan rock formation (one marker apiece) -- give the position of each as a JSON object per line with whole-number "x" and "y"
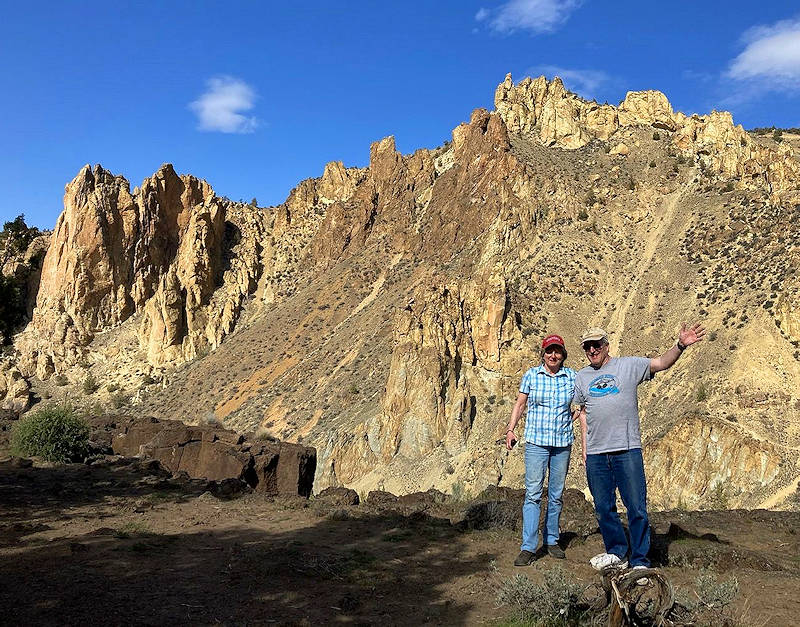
{"x": 14, "y": 389}
{"x": 708, "y": 464}
{"x": 157, "y": 251}
{"x": 559, "y": 118}
{"x": 642, "y": 108}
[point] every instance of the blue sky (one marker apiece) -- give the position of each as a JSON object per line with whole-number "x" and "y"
{"x": 256, "y": 96}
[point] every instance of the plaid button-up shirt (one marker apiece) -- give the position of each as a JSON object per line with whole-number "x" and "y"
{"x": 548, "y": 421}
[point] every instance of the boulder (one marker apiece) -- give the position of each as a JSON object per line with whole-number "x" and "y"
{"x": 338, "y": 497}
{"x": 218, "y": 454}
{"x": 14, "y": 389}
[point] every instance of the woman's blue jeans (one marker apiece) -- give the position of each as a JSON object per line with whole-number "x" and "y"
{"x": 538, "y": 459}
{"x": 623, "y": 470}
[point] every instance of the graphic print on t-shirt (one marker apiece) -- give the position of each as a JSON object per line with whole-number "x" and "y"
{"x": 603, "y": 385}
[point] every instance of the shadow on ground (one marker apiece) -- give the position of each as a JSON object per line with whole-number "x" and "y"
{"x": 272, "y": 563}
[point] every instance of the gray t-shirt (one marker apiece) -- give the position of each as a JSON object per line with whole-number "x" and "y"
{"x": 612, "y": 406}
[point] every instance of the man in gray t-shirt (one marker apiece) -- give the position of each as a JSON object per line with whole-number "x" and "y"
{"x": 606, "y": 391}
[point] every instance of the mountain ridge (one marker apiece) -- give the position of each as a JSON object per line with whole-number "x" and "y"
{"x": 385, "y": 314}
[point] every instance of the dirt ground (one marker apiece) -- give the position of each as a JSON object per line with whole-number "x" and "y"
{"x": 123, "y": 544}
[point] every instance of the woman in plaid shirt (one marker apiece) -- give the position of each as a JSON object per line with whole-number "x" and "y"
{"x": 547, "y": 391}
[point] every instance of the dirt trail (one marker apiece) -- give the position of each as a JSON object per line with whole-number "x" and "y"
{"x": 781, "y": 495}
{"x": 652, "y": 242}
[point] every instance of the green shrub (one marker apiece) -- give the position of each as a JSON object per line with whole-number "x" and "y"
{"x": 702, "y": 393}
{"x": 60, "y": 380}
{"x": 719, "y": 497}
{"x": 652, "y": 164}
{"x": 556, "y": 601}
{"x": 583, "y": 215}
{"x": 119, "y": 399}
{"x": 90, "y": 384}
{"x": 712, "y": 593}
{"x": 55, "y": 434}
{"x": 656, "y": 135}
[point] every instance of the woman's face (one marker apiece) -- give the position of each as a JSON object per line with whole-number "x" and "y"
{"x": 553, "y": 357}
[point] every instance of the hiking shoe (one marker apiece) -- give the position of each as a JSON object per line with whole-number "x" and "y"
{"x": 607, "y": 560}
{"x": 524, "y": 558}
{"x": 553, "y": 550}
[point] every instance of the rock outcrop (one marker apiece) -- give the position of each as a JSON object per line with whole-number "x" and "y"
{"x": 707, "y": 464}
{"x": 14, "y": 388}
{"x": 159, "y": 251}
{"x": 215, "y": 453}
{"x": 557, "y": 117}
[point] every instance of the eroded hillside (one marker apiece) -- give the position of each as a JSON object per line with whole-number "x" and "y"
{"x": 385, "y": 315}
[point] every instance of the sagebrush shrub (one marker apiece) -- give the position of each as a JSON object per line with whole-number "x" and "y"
{"x": 55, "y": 434}
{"x": 556, "y": 601}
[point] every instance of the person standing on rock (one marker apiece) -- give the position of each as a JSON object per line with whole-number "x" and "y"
{"x": 547, "y": 390}
{"x": 606, "y": 391}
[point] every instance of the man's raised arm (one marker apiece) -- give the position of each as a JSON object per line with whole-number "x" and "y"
{"x": 687, "y": 336}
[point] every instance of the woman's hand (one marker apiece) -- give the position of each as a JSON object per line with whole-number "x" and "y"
{"x": 511, "y": 440}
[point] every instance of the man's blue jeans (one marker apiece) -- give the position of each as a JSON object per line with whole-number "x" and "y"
{"x": 605, "y": 473}
{"x": 538, "y": 459}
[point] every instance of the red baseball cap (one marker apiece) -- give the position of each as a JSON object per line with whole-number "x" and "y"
{"x": 554, "y": 339}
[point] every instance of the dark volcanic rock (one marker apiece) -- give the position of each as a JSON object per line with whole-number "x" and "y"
{"x": 218, "y": 454}
{"x": 338, "y": 496}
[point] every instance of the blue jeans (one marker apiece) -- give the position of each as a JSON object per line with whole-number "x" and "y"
{"x": 537, "y": 460}
{"x": 605, "y": 473}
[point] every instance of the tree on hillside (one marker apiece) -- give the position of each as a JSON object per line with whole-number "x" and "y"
{"x": 17, "y": 235}
{"x": 15, "y": 238}
{"x": 12, "y": 307}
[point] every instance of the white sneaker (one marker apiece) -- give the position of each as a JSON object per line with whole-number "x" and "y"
{"x": 607, "y": 560}
{"x": 642, "y": 581}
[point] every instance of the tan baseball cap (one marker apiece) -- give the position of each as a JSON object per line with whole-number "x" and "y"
{"x": 594, "y": 333}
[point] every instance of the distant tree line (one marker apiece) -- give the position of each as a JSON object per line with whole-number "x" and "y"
{"x": 766, "y": 130}
{"x": 15, "y": 238}
{"x": 777, "y": 133}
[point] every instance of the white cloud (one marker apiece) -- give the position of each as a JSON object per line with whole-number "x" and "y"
{"x": 772, "y": 53}
{"x": 220, "y": 107}
{"x": 697, "y": 76}
{"x": 583, "y": 82}
{"x": 536, "y": 16}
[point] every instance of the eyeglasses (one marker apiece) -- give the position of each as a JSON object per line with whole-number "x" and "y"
{"x": 553, "y": 349}
{"x": 594, "y": 344}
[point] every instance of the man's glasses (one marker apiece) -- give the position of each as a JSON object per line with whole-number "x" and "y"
{"x": 594, "y": 344}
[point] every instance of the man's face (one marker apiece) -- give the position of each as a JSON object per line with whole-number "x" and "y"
{"x": 596, "y": 351}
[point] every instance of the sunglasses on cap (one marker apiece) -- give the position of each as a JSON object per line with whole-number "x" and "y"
{"x": 596, "y": 344}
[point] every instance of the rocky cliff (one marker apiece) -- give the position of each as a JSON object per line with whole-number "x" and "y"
{"x": 386, "y": 314}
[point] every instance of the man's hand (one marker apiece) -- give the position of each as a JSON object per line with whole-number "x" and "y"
{"x": 511, "y": 440}
{"x": 689, "y": 335}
